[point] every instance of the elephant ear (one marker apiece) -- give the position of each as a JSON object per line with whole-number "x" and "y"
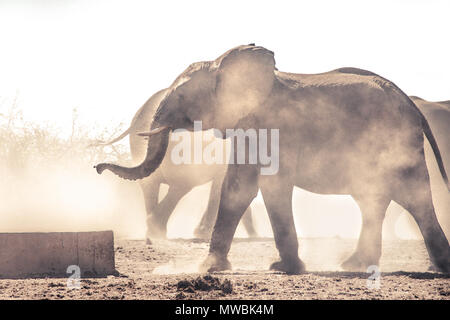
{"x": 245, "y": 77}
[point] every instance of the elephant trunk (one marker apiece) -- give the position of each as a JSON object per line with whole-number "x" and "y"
{"x": 156, "y": 150}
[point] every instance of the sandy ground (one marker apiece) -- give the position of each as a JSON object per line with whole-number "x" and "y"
{"x": 168, "y": 270}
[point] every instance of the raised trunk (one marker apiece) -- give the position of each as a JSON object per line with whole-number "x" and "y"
{"x": 156, "y": 150}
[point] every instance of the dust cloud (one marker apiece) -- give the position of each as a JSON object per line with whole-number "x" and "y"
{"x": 48, "y": 183}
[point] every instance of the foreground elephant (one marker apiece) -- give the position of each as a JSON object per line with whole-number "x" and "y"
{"x": 180, "y": 178}
{"x": 346, "y": 131}
{"x": 438, "y": 116}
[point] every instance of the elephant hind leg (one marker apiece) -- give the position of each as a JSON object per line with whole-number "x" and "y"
{"x": 368, "y": 251}
{"x": 415, "y": 196}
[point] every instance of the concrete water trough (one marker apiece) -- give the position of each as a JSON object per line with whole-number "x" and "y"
{"x": 40, "y": 255}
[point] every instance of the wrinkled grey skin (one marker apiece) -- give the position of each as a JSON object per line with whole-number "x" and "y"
{"x": 347, "y": 131}
{"x": 438, "y": 116}
{"x": 180, "y": 178}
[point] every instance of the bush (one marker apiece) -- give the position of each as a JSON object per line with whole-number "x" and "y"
{"x": 26, "y": 145}
{"x": 47, "y": 181}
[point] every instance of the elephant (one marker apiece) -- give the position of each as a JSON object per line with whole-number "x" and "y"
{"x": 438, "y": 116}
{"x": 348, "y": 131}
{"x": 180, "y": 179}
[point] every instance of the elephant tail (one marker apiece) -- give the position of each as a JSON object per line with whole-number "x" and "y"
{"x": 434, "y": 146}
{"x": 107, "y": 143}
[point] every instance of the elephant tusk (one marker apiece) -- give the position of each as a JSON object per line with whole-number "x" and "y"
{"x": 150, "y": 133}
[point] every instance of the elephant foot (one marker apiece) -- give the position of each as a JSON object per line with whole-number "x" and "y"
{"x": 214, "y": 263}
{"x": 294, "y": 266}
{"x": 443, "y": 266}
{"x": 202, "y": 232}
{"x": 357, "y": 263}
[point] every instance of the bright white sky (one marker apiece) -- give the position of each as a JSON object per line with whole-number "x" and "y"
{"x": 107, "y": 57}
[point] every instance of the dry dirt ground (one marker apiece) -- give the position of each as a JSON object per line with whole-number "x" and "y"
{"x": 168, "y": 270}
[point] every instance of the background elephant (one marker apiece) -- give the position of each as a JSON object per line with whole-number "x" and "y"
{"x": 347, "y": 131}
{"x": 180, "y": 179}
{"x": 438, "y": 116}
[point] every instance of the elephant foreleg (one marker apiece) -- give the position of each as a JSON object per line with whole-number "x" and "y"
{"x": 239, "y": 188}
{"x": 368, "y": 251}
{"x": 278, "y": 201}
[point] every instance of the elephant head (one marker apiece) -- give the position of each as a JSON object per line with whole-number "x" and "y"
{"x": 219, "y": 93}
